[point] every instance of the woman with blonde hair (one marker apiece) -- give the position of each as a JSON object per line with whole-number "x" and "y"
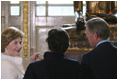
{"x": 11, "y": 63}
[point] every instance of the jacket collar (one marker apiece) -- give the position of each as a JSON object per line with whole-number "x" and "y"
{"x": 52, "y": 55}
{"x": 103, "y": 41}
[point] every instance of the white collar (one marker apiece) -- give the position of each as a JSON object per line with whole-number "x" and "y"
{"x": 16, "y": 60}
{"x": 102, "y": 42}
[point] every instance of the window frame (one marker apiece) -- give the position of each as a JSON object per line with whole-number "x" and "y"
{"x": 15, "y": 5}
{"x": 46, "y": 5}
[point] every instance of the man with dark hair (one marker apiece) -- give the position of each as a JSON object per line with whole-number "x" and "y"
{"x": 55, "y": 65}
{"x": 102, "y": 59}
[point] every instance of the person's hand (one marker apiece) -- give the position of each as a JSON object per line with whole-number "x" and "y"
{"x": 34, "y": 57}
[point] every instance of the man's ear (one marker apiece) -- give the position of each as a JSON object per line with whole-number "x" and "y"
{"x": 95, "y": 35}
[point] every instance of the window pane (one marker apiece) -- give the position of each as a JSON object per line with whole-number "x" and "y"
{"x": 40, "y": 11}
{"x": 40, "y": 2}
{"x": 60, "y": 2}
{"x": 61, "y": 10}
{"x": 14, "y": 2}
{"x": 84, "y": 10}
{"x": 15, "y": 10}
{"x": 84, "y": 2}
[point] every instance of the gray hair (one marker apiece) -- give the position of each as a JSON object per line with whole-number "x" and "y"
{"x": 100, "y": 26}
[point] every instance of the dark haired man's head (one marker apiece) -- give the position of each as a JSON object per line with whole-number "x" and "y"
{"x": 58, "y": 40}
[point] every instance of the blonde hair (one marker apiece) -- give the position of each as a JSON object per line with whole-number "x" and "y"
{"x": 8, "y": 35}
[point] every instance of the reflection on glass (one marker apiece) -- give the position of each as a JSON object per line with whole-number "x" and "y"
{"x": 60, "y": 2}
{"x": 15, "y": 10}
{"x": 61, "y": 10}
{"x": 40, "y": 2}
{"x": 14, "y": 2}
{"x": 40, "y": 11}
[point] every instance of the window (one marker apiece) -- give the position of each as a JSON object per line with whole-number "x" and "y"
{"x": 14, "y": 8}
{"x": 48, "y": 8}
{"x": 40, "y": 11}
{"x": 14, "y": 2}
{"x": 60, "y": 11}
{"x": 84, "y": 8}
{"x": 40, "y": 8}
{"x": 40, "y": 2}
{"x": 60, "y": 2}
{"x": 56, "y": 8}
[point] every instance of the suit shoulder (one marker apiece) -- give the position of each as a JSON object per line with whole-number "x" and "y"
{"x": 73, "y": 61}
{"x": 88, "y": 53}
{"x": 37, "y": 62}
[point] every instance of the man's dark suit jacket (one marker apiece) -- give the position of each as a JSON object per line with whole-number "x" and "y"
{"x": 102, "y": 60}
{"x": 53, "y": 66}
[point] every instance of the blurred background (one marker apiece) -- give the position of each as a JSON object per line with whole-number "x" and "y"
{"x": 36, "y": 18}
